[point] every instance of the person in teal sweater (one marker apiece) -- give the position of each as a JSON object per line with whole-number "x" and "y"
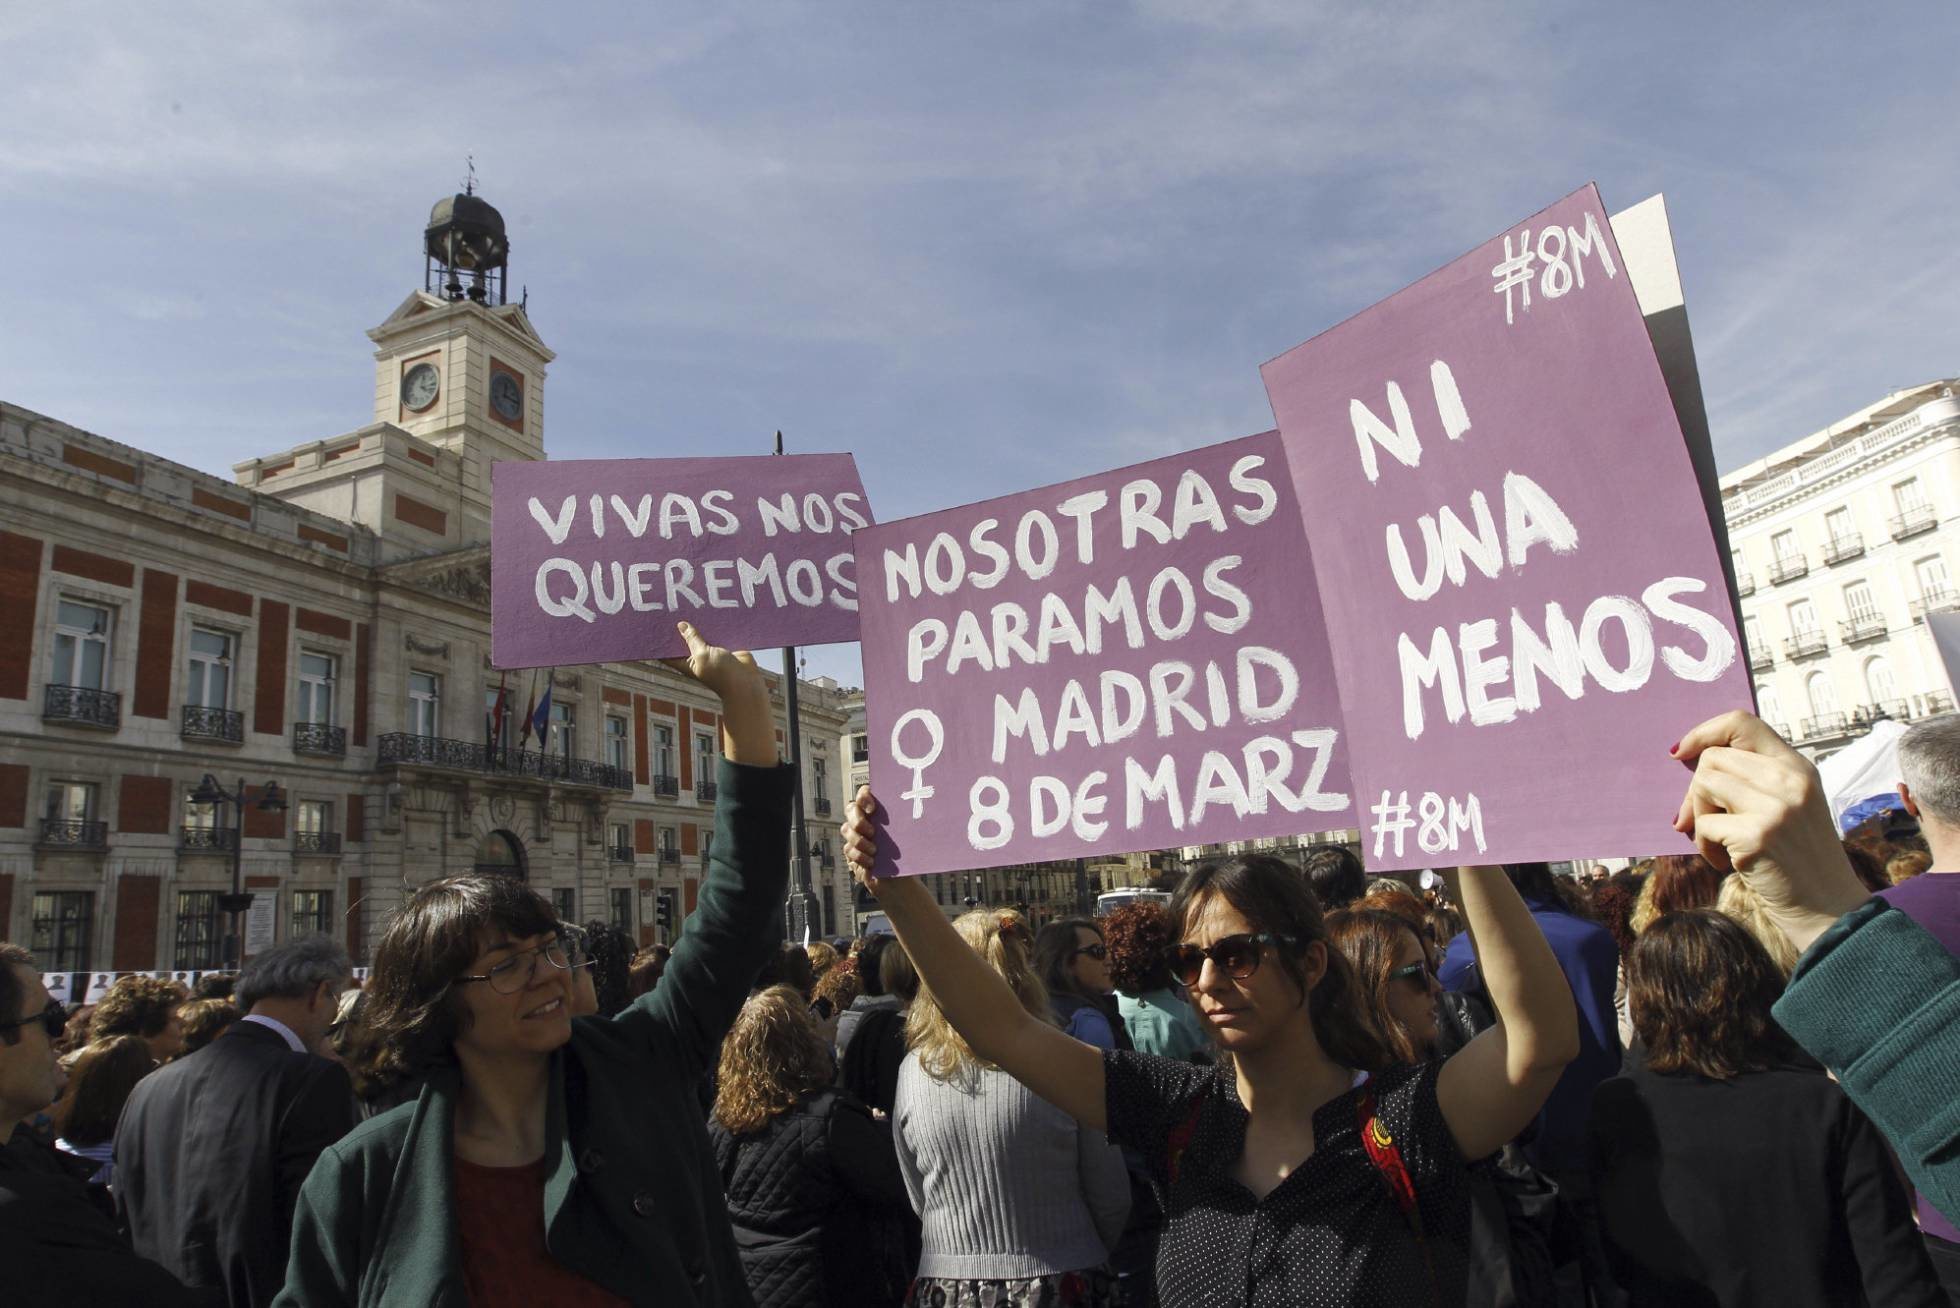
{"x": 1159, "y": 1017}
{"x": 1875, "y": 996}
{"x": 548, "y": 1160}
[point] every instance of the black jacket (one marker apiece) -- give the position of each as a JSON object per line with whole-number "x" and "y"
{"x": 211, "y": 1152}
{"x": 58, "y": 1250}
{"x": 816, "y": 1197}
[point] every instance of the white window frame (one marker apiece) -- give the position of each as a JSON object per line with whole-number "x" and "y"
{"x": 313, "y": 687}
{"x": 198, "y": 667}
{"x": 424, "y": 707}
{"x": 100, "y": 633}
{"x": 619, "y": 752}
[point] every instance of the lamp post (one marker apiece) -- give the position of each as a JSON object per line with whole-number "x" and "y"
{"x": 234, "y": 905}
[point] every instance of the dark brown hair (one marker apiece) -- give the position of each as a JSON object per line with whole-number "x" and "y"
{"x": 896, "y": 975}
{"x": 1684, "y": 881}
{"x": 1701, "y": 988}
{"x": 411, "y": 1018}
{"x": 1868, "y": 866}
{"x": 99, "y": 1083}
{"x": 205, "y": 1020}
{"x": 136, "y": 1005}
{"x": 645, "y": 970}
{"x": 1054, "y": 951}
{"x": 12, "y": 993}
{"x": 1273, "y": 897}
{"x": 1369, "y": 938}
{"x": 1139, "y": 939}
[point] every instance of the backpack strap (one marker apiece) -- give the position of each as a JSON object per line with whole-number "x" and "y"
{"x": 1386, "y": 1157}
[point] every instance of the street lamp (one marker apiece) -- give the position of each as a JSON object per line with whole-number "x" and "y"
{"x": 234, "y": 905}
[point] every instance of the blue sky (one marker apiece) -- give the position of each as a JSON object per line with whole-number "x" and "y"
{"x": 983, "y": 246}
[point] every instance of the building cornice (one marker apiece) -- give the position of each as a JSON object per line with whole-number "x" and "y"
{"x": 1925, "y": 426}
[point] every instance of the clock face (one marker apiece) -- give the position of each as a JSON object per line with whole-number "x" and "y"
{"x": 506, "y": 396}
{"x": 419, "y": 386}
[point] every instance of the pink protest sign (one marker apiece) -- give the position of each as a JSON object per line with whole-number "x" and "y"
{"x": 596, "y": 559}
{"x": 1521, "y": 585}
{"x": 1129, "y": 661}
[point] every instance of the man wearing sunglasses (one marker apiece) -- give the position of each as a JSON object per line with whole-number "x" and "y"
{"x": 56, "y": 1245}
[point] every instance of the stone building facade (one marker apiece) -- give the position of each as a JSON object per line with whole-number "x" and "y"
{"x": 323, "y": 623}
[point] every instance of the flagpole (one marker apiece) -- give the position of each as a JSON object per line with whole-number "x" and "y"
{"x": 799, "y": 907}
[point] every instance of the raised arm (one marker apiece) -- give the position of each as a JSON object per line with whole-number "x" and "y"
{"x": 1492, "y": 1087}
{"x": 979, "y": 1004}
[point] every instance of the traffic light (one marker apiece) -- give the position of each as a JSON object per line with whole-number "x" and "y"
{"x": 664, "y": 913}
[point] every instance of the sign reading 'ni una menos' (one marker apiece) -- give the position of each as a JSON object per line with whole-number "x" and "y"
{"x": 1523, "y": 594}
{"x": 596, "y": 560}
{"x": 1129, "y": 661}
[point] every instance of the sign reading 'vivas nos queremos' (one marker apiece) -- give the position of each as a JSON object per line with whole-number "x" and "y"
{"x": 593, "y": 560}
{"x": 1129, "y": 661}
{"x": 1522, "y": 591}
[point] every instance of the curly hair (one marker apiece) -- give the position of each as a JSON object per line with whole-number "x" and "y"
{"x": 99, "y": 1083}
{"x": 1002, "y": 939}
{"x": 205, "y": 1020}
{"x": 136, "y": 1005}
{"x": 1138, "y": 937}
{"x": 773, "y": 1055}
{"x": 840, "y": 986}
{"x": 1369, "y": 938}
{"x": 611, "y": 952}
{"x": 1701, "y": 988}
{"x": 1678, "y": 882}
{"x": 1614, "y": 904}
{"x": 822, "y": 957}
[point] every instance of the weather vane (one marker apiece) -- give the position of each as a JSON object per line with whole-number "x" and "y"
{"x": 469, "y": 183}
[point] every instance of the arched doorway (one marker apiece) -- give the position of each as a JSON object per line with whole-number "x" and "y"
{"x": 503, "y": 854}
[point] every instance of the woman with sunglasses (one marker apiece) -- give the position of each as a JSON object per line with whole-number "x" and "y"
{"x": 547, "y": 1160}
{"x": 1396, "y": 986}
{"x": 1281, "y": 1177}
{"x": 1074, "y": 964}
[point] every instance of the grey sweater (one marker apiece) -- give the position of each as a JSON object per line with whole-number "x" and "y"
{"x": 1005, "y": 1184}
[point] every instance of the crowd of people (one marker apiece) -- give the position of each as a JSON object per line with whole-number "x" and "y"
{"x": 1722, "y": 1078}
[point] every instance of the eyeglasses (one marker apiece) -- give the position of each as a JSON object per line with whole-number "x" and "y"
{"x": 518, "y": 971}
{"x": 1097, "y": 952}
{"x": 1236, "y": 956}
{"x": 53, "y": 1019}
{"x": 1414, "y": 972}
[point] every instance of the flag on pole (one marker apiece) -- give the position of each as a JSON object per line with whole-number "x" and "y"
{"x": 493, "y": 721}
{"x": 541, "y": 719}
{"x": 530, "y": 711}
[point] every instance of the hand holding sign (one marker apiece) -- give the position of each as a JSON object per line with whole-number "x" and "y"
{"x": 747, "y": 721}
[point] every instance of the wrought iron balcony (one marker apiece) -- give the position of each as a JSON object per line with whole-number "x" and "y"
{"x": 825, "y": 859}
{"x": 667, "y": 787}
{"x": 1806, "y": 644}
{"x": 1860, "y": 627}
{"x": 316, "y": 842}
{"x": 1780, "y": 728}
{"x": 1788, "y": 569}
{"x": 1822, "y": 726}
{"x": 705, "y": 791}
{"x": 397, "y": 749}
{"x": 1839, "y": 548}
{"x": 820, "y": 806}
{"x": 226, "y": 726}
{"x": 1760, "y": 658}
{"x": 70, "y": 833}
{"x": 1912, "y": 521}
{"x": 202, "y": 840}
{"x": 1898, "y": 710}
{"x": 1938, "y": 702}
{"x": 82, "y": 707}
{"x": 1938, "y": 601}
{"x": 670, "y": 857}
{"x": 1745, "y": 583}
{"x": 319, "y": 738}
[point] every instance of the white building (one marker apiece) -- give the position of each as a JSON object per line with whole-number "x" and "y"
{"x": 1843, "y": 542}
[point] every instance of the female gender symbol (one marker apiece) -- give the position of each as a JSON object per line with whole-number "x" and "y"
{"x": 920, "y": 792}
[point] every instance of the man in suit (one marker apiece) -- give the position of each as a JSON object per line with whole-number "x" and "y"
{"x": 212, "y": 1149}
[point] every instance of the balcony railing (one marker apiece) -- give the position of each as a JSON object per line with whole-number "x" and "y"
{"x": 666, "y": 787}
{"x": 320, "y": 739}
{"x": 1788, "y": 569}
{"x": 226, "y": 726}
{"x": 398, "y": 748}
{"x": 201, "y": 840}
{"x": 316, "y": 842}
{"x": 1824, "y": 724}
{"x": 1938, "y": 702}
{"x": 1840, "y": 548}
{"x": 820, "y": 806}
{"x": 1780, "y": 728}
{"x": 1745, "y": 583}
{"x": 69, "y": 833}
{"x": 1912, "y": 521}
{"x": 1938, "y": 601}
{"x": 1898, "y": 710}
{"x": 1861, "y": 626}
{"x": 619, "y": 853}
{"x": 1806, "y": 644}
{"x": 1760, "y": 658}
{"x": 82, "y": 707}
{"x": 705, "y": 791}
{"x": 670, "y": 857}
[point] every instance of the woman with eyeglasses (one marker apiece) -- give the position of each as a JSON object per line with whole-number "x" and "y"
{"x": 1073, "y": 961}
{"x": 1396, "y": 989}
{"x": 548, "y": 1160}
{"x": 1280, "y": 1176}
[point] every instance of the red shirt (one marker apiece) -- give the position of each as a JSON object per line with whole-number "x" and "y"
{"x": 500, "y": 1222}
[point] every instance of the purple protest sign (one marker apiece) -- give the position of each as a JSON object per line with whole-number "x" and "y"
{"x": 593, "y": 560}
{"x": 1129, "y": 661}
{"x": 1521, "y": 585}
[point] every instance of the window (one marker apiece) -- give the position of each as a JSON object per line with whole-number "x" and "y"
{"x": 563, "y": 729}
{"x": 707, "y": 846}
{"x": 1859, "y": 604}
{"x": 312, "y": 914}
{"x": 1880, "y": 685}
{"x": 861, "y": 747}
{"x": 1932, "y": 579}
{"x": 1823, "y": 696}
{"x": 820, "y": 776}
{"x": 200, "y": 931}
{"x": 670, "y": 846}
{"x": 1784, "y": 546}
{"x": 663, "y": 751}
{"x": 64, "y": 920}
{"x": 1837, "y": 524}
{"x": 1803, "y": 618}
{"x": 81, "y": 646}
{"x": 565, "y": 900}
{"x": 1908, "y": 495}
{"x": 1766, "y": 705}
{"x": 619, "y": 903}
{"x": 315, "y": 688}
{"x": 704, "y": 758}
{"x": 71, "y": 801}
{"x": 425, "y": 704}
{"x": 619, "y": 838}
{"x": 616, "y": 751}
{"x": 312, "y": 816}
{"x": 208, "y": 682}
{"x": 829, "y": 910}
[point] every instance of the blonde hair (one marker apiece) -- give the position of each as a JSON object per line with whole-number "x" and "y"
{"x": 822, "y": 957}
{"x": 773, "y": 1054}
{"x": 1740, "y": 900}
{"x": 1002, "y": 939}
{"x": 1907, "y": 864}
{"x": 1644, "y": 911}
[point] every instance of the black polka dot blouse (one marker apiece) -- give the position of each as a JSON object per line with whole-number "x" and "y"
{"x": 1332, "y": 1232}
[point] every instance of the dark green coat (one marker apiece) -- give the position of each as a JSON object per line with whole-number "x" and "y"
{"x": 632, "y": 1199}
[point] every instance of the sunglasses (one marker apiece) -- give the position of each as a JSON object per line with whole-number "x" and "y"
{"x": 1236, "y": 956}
{"x": 1097, "y": 952}
{"x": 53, "y": 1019}
{"x": 1413, "y": 972}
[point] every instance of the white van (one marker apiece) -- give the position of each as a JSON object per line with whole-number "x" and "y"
{"x": 1110, "y": 901}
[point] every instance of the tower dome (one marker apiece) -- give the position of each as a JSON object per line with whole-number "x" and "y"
{"x": 465, "y": 239}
